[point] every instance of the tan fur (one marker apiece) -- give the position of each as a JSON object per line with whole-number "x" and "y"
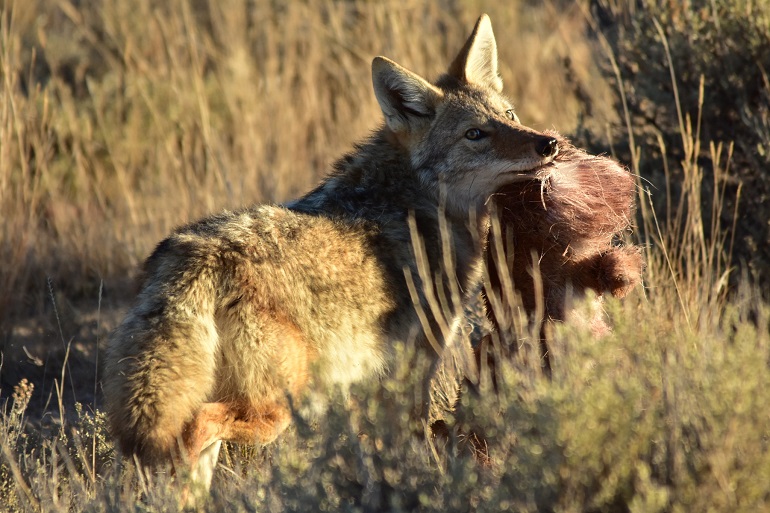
{"x": 567, "y": 225}
{"x": 240, "y": 310}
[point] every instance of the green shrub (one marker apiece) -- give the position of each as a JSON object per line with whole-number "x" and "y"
{"x": 695, "y": 74}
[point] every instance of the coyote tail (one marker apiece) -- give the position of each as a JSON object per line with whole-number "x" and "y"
{"x": 162, "y": 359}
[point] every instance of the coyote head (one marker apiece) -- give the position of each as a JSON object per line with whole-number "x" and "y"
{"x": 461, "y": 132}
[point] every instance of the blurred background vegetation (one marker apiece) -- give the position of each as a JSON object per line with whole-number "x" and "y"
{"x": 122, "y": 119}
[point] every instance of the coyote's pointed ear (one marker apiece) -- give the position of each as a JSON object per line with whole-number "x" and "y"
{"x": 405, "y": 98}
{"x": 477, "y": 61}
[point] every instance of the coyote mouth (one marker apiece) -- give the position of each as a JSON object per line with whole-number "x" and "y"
{"x": 532, "y": 169}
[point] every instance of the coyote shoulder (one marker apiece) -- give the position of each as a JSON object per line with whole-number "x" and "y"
{"x": 240, "y": 310}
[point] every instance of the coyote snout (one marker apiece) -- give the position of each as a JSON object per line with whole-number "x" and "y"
{"x": 242, "y": 309}
{"x": 538, "y": 150}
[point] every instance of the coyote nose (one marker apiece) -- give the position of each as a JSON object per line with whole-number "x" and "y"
{"x": 546, "y": 147}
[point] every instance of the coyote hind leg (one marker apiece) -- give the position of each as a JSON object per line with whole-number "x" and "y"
{"x": 250, "y": 406}
{"x": 230, "y": 422}
{"x": 203, "y": 472}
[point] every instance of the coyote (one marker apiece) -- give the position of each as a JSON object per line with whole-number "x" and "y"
{"x": 560, "y": 236}
{"x": 242, "y": 310}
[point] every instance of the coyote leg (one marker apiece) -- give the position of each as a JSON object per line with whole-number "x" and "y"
{"x": 203, "y": 472}
{"x": 194, "y": 493}
{"x": 218, "y": 422}
{"x": 230, "y": 422}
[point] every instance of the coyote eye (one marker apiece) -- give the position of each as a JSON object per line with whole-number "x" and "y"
{"x": 474, "y": 134}
{"x": 512, "y": 115}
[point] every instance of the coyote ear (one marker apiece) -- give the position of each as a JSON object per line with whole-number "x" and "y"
{"x": 404, "y": 97}
{"x": 477, "y": 61}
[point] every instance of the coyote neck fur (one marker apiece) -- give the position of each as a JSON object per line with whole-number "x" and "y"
{"x": 376, "y": 188}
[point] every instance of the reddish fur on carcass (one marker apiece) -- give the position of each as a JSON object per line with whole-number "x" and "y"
{"x": 567, "y": 223}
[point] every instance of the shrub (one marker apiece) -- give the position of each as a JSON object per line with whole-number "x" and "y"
{"x": 697, "y": 95}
